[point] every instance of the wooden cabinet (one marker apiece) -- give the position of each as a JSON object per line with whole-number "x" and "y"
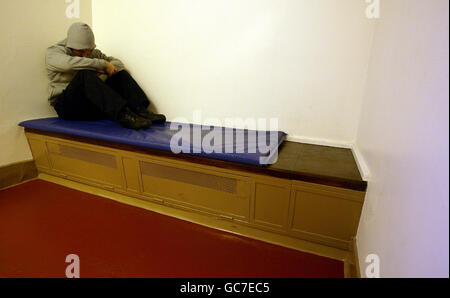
{"x": 314, "y": 212}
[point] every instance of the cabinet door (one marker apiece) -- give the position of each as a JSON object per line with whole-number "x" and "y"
{"x": 326, "y": 211}
{"x": 271, "y": 205}
{"x": 197, "y": 188}
{"x": 87, "y": 163}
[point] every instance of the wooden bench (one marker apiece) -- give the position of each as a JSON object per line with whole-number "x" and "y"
{"x": 313, "y": 193}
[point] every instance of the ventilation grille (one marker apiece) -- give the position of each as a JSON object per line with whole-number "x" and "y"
{"x": 103, "y": 159}
{"x": 219, "y": 183}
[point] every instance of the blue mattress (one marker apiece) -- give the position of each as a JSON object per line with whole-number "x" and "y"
{"x": 235, "y": 145}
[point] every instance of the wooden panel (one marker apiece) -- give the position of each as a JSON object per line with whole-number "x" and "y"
{"x": 296, "y": 161}
{"x": 131, "y": 172}
{"x": 211, "y": 181}
{"x": 271, "y": 205}
{"x": 90, "y": 156}
{"x": 325, "y": 211}
{"x": 86, "y": 163}
{"x": 39, "y": 151}
{"x": 196, "y": 188}
{"x": 315, "y": 212}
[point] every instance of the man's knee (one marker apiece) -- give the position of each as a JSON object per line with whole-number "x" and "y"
{"x": 123, "y": 74}
{"x": 86, "y": 76}
{"x": 86, "y": 73}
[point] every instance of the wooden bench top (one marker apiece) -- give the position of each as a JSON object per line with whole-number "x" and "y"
{"x": 296, "y": 161}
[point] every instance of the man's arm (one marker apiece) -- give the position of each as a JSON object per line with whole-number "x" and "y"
{"x": 57, "y": 60}
{"x": 97, "y": 54}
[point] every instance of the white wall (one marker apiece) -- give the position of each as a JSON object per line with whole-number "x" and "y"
{"x": 302, "y": 61}
{"x": 403, "y": 136}
{"x": 27, "y": 29}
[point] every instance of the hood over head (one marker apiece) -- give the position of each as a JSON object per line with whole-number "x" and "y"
{"x": 80, "y": 37}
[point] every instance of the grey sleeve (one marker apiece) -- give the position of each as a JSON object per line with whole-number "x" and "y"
{"x": 57, "y": 60}
{"x": 114, "y": 61}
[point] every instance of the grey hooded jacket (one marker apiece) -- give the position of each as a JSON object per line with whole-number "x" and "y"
{"x": 63, "y": 65}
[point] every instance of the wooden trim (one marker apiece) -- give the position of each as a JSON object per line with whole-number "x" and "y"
{"x": 261, "y": 170}
{"x": 317, "y": 141}
{"x": 17, "y": 173}
{"x": 356, "y": 259}
{"x": 361, "y": 163}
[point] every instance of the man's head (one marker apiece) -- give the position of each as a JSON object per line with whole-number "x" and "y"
{"x": 80, "y": 39}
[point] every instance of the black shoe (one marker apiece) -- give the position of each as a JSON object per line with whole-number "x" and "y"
{"x": 131, "y": 120}
{"x": 155, "y": 118}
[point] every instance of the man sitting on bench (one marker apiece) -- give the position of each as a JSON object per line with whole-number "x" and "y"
{"x": 77, "y": 92}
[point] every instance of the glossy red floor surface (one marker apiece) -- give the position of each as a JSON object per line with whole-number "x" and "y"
{"x": 41, "y": 223}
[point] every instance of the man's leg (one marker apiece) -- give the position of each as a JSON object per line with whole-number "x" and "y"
{"x": 88, "y": 98}
{"x": 124, "y": 84}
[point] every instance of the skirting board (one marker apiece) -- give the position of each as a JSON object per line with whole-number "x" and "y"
{"x": 316, "y": 141}
{"x": 17, "y": 173}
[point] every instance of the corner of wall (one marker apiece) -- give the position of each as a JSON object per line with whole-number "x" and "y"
{"x": 361, "y": 162}
{"x": 357, "y": 154}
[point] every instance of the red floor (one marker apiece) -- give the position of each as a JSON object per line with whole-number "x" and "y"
{"x": 41, "y": 223}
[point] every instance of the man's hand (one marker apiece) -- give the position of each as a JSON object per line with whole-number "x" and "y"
{"x": 110, "y": 69}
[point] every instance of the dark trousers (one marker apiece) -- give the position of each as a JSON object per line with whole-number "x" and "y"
{"x": 89, "y": 98}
